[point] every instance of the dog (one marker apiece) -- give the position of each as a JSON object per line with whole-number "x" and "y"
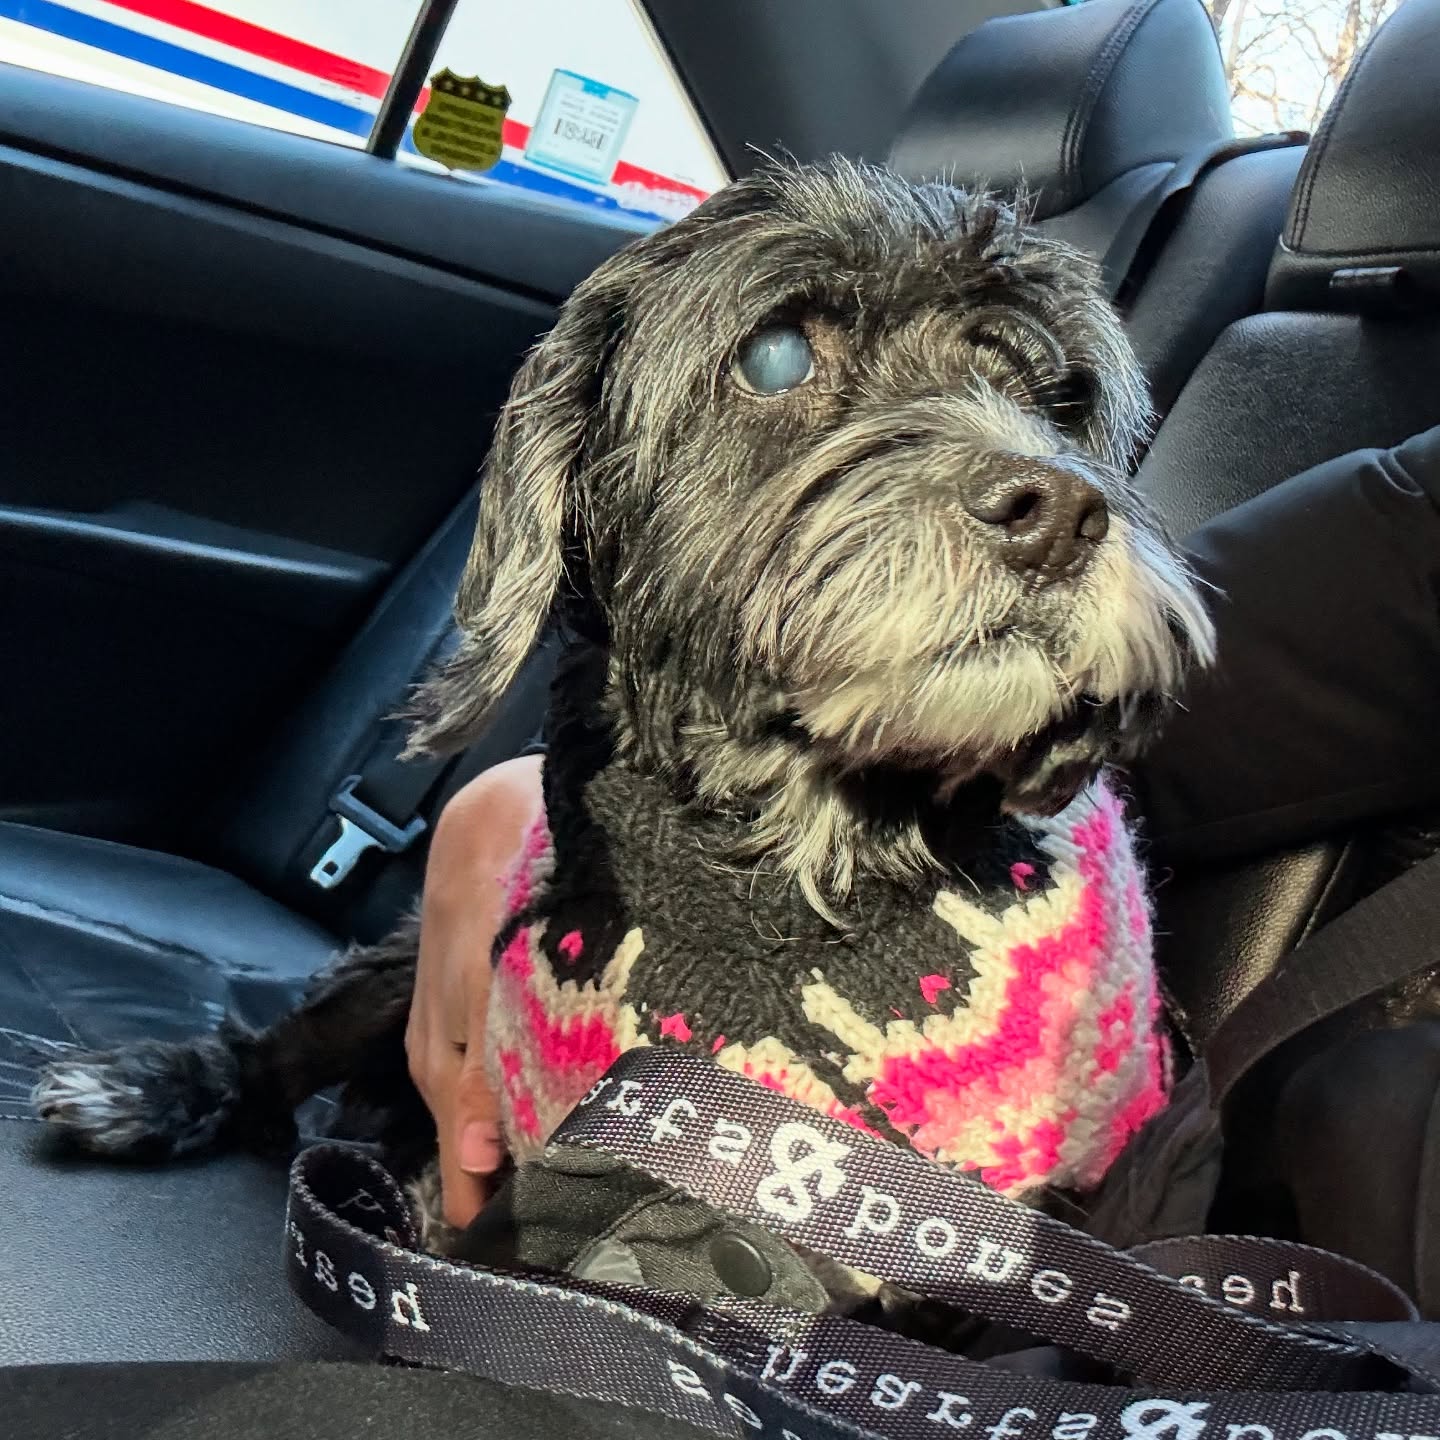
{"x": 825, "y": 484}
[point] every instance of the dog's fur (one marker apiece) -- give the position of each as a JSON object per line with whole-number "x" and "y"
{"x": 804, "y": 629}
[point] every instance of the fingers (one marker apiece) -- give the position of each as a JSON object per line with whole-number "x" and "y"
{"x": 467, "y": 1127}
{"x": 477, "y": 1124}
{"x": 477, "y": 1109}
{"x": 467, "y": 1165}
{"x": 452, "y": 1080}
{"x": 462, "y": 1193}
{"x": 478, "y": 837}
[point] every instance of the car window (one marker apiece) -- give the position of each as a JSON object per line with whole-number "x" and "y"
{"x": 596, "y": 114}
{"x": 1286, "y": 58}
{"x": 586, "y": 105}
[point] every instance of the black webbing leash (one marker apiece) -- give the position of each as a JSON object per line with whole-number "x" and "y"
{"x": 1219, "y": 1337}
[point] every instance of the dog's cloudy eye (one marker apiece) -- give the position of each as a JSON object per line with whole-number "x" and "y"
{"x": 774, "y": 359}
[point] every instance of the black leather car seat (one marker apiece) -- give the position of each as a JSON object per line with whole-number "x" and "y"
{"x": 1113, "y": 118}
{"x": 1344, "y": 358}
{"x": 102, "y": 942}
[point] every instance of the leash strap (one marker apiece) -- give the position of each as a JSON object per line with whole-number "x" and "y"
{"x": 890, "y": 1212}
{"x": 744, "y": 1367}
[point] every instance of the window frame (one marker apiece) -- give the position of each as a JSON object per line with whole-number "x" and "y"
{"x": 408, "y": 77}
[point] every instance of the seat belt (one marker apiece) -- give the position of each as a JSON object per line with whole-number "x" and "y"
{"x": 1118, "y": 266}
{"x": 380, "y": 804}
{"x": 379, "y": 807}
{"x": 1381, "y": 940}
{"x": 383, "y": 802}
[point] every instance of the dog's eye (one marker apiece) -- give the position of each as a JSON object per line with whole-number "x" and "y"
{"x": 1071, "y": 398}
{"x": 774, "y": 359}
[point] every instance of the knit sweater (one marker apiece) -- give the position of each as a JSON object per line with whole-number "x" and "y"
{"x": 1000, "y": 1017}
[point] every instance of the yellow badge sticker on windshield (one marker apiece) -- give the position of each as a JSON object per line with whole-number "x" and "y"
{"x": 463, "y": 122}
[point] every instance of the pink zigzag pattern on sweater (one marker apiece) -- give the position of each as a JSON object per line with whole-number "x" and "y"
{"x": 1036, "y": 1061}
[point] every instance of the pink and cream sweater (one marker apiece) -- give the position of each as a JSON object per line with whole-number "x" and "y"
{"x": 1002, "y": 1021}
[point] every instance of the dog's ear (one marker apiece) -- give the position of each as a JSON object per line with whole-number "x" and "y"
{"x": 528, "y": 517}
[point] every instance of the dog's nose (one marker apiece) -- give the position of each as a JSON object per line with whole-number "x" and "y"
{"x": 1041, "y": 516}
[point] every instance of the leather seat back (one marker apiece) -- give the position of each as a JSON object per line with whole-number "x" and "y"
{"x": 1083, "y": 109}
{"x": 1344, "y": 355}
{"x": 270, "y": 824}
{"x": 1207, "y": 267}
{"x": 1112, "y": 119}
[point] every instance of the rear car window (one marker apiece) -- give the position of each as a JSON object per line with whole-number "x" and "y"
{"x": 1286, "y": 58}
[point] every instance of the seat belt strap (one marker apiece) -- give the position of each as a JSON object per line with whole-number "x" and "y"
{"x": 380, "y": 805}
{"x": 1379, "y": 941}
{"x": 378, "y": 809}
{"x": 1118, "y": 265}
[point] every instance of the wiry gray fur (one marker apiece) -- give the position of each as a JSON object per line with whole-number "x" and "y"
{"x": 788, "y": 584}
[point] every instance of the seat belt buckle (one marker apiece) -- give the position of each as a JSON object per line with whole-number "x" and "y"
{"x": 361, "y": 829}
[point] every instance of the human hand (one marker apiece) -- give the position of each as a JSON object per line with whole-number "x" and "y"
{"x": 477, "y": 841}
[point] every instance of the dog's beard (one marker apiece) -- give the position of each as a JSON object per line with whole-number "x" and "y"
{"x": 916, "y": 654}
{"x": 891, "y": 644}
{"x": 847, "y": 625}
{"x": 896, "y": 633}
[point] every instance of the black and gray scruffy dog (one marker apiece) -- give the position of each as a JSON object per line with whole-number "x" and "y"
{"x": 826, "y": 482}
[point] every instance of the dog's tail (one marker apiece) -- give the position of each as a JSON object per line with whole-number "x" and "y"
{"x": 158, "y": 1100}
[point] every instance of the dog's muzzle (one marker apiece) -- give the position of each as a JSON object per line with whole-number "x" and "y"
{"x": 1041, "y": 518}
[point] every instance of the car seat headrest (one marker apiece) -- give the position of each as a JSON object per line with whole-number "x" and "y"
{"x": 1363, "y": 231}
{"x": 1062, "y": 103}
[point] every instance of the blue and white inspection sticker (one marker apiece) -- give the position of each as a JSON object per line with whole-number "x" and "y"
{"x": 581, "y": 127}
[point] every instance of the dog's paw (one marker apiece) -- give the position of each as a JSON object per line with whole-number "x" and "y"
{"x": 93, "y": 1100}
{"x": 149, "y": 1100}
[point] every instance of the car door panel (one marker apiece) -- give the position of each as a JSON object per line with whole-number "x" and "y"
{"x": 238, "y": 389}
{"x": 527, "y": 243}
